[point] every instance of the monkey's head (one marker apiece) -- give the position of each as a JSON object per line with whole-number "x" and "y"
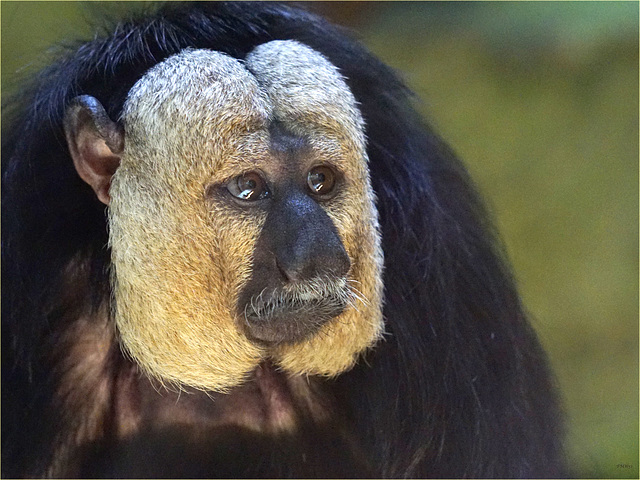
{"x": 241, "y": 215}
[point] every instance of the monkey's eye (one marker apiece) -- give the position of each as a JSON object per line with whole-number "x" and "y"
{"x": 321, "y": 180}
{"x": 249, "y": 187}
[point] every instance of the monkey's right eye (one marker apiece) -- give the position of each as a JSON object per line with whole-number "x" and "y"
{"x": 249, "y": 187}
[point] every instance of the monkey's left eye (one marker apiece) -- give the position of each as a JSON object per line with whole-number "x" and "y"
{"x": 249, "y": 187}
{"x": 321, "y": 180}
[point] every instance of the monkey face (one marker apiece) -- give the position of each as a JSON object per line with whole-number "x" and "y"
{"x": 299, "y": 275}
{"x": 242, "y": 219}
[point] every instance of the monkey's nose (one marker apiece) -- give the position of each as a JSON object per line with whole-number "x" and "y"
{"x": 314, "y": 257}
{"x": 304, "y": 240}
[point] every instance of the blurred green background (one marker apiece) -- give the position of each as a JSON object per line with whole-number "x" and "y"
{"x": 541, "y": 101}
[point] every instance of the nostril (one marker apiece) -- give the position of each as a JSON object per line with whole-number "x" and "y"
{"x": 288, "y": 274}
{"x": 341, "y": 263}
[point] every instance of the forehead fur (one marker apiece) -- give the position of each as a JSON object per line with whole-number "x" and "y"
{"x": 306, "y": 89}
{"x": 196, "y": 99}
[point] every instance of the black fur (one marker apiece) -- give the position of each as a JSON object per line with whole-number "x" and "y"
{"x": 459, "y": 388}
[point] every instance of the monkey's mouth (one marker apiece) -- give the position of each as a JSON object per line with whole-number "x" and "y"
{"x": 293, "y": 314}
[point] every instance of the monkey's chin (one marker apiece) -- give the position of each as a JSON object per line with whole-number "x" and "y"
{"x": 290, "y": 322}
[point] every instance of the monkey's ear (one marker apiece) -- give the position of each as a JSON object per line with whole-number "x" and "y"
{"x": 95, "y": 142}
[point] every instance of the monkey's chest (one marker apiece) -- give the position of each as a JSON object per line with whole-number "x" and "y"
{"x": 272, "y": 426}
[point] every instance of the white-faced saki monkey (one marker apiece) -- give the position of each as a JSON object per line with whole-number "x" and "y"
{"x": 231, "y": 248}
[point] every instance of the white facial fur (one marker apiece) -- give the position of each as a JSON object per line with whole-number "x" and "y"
{"x": 180, "y": 260}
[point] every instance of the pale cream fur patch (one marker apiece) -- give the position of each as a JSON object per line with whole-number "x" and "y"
{"x": 180, "y": 259}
